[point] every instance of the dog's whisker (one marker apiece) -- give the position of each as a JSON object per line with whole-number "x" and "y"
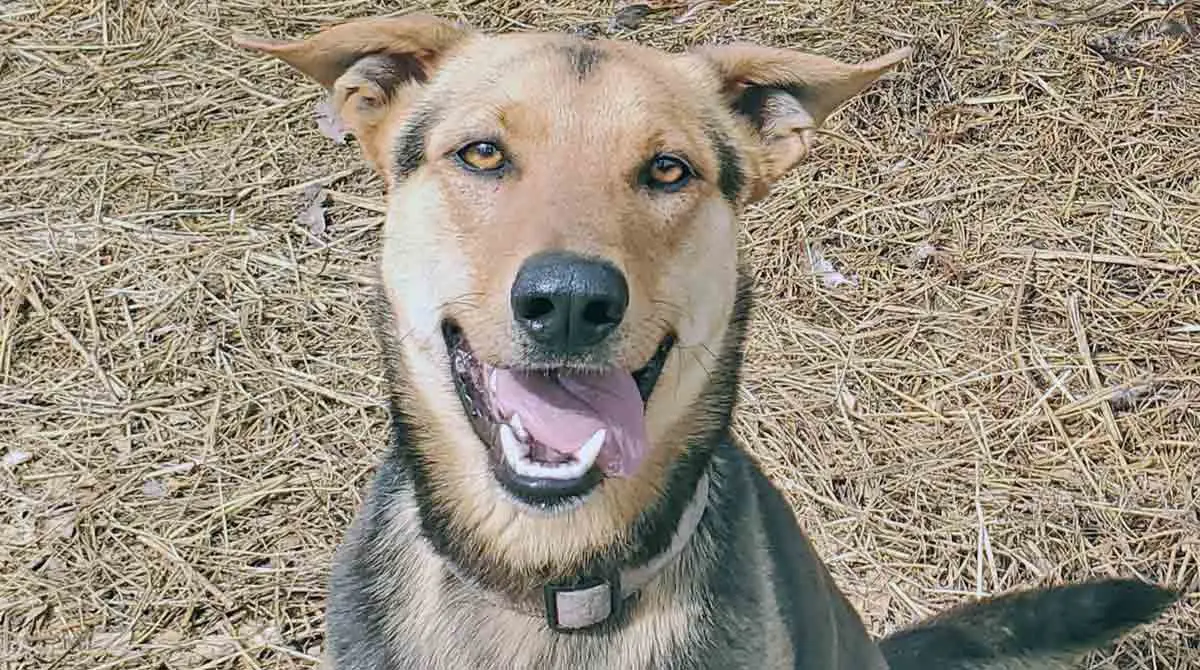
{"x": 464, "y": 300}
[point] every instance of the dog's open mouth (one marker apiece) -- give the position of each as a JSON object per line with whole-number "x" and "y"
{"x": 555, "y": 434}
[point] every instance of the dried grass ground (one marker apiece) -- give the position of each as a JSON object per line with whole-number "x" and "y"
{"x": 189, "y": 394}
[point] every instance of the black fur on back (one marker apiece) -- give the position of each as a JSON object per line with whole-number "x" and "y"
{"x": 1061, "y": 621}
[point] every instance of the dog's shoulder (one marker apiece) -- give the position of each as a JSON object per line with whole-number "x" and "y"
{"x": 811, "y": 607}
{"x": 370, "y": 554}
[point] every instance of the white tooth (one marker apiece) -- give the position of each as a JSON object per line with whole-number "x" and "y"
{"x": 514, "y": 451}
{"x": 574, "y": 470}
{"x": 542, "y": 471}
{"x": 492, "y": 381}
{"x": 591, "y": 449}
{"x": 518, "y": 427}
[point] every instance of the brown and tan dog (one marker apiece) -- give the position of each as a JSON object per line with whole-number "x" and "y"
{"x": 561, "y": 311}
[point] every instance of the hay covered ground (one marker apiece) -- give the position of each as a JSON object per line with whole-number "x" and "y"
{"x": 975, "y": 365}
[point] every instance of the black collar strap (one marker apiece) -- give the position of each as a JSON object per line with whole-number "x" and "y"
{"x": 584, "y": 602}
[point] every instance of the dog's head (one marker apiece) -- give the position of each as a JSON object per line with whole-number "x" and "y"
{"x": 560, "y": 263}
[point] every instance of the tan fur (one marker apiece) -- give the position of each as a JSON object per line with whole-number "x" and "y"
{"x": 579, "y": 122}
{"x": 453, "y": 244}
{"x": 467, "y": 238}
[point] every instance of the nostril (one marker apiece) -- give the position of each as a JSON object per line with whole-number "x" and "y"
{"x": 601, "y": 313}
{"x": 566, "y": 302}
{"x": 536, "y": 308}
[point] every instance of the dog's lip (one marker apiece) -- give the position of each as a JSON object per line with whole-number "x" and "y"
{"x": 454, "y": 337}
{"x": 545, "y": 493}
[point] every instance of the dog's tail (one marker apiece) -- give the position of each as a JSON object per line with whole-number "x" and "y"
{"x": 1041, "y": 629}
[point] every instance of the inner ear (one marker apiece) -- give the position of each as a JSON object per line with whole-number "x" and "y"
{"x": 363, "y": 97}
{"x": 785, "y": 127}
{"x": 377, "y": 76}
{"x": 766, "y": 106}
{"x": 785, "y": 96}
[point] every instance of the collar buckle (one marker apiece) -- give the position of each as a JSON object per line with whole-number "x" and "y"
{"x": 582, "y": 602}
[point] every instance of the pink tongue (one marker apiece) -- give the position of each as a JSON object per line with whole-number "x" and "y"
{"x": 562, "y": 411}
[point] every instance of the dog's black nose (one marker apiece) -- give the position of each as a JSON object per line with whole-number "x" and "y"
{"x": 568, "y": 302}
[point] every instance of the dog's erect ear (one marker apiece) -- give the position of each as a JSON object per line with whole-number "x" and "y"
{"x": 370, "y": 67}
{"x": 786, "y": 95}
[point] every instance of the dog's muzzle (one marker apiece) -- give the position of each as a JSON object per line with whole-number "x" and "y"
{"x": 561, "y": 417}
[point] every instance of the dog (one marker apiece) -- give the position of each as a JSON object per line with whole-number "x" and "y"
{"x": 561, "y": 312}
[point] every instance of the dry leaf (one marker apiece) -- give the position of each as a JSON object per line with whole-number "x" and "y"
{"x": 630, "y": 17}
{"x": 213, "y": 647}
{"x": 313, "y": 216}
{"x": 849, "y": 401}
{"x": 115, "y": 643}
{"x": 155, "y": 488}
{"x": 20, "y": 529}
{"x": 255, "y": 635}
{"x": 826, "y": 270}
{"x": 52, "y": 567}
{"x": 1126, "y": 398}
{"x": 61, "y": 524}
{"x": 588, "y": 31}
{"x": 695, "y": 8}
{"x": 16, "y": 457}
{"x": 329, "y": 123}
{"x": 923, "y": 252}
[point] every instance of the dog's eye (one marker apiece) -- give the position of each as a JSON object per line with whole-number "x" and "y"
{"x": 668, "y": 173}
{"x": 482, "y": 157}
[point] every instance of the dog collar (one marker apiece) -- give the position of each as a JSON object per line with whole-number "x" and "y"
{"x": 584, "y": 602}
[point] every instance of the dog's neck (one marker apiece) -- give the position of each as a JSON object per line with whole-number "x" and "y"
{"x": 585, "y": 601}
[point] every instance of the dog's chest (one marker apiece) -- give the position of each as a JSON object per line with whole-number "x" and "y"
{"x": 464, "y": 631}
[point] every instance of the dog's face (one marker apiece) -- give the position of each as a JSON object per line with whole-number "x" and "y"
{"x": 560, "y": 258}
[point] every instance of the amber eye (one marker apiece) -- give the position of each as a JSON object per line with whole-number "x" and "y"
{"x": 482, "y": 157}
{"x": 667, "y": 172}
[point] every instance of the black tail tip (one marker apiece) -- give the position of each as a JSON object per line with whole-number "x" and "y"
{"x": 1121, "y": 603}
{"x": 1053, "y": 622}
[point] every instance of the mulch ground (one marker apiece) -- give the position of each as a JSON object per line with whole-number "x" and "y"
{"x": 975, "y": 363}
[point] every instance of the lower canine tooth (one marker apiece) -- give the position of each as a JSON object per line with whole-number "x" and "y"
{"x": 591, "y": 449}
{"x": 518, "y": 428}
{"x": 574, "y": 470}
{"x": 514, "y": 450}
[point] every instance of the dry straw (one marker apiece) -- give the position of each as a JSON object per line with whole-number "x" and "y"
{"x": 1002, "y": 388}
